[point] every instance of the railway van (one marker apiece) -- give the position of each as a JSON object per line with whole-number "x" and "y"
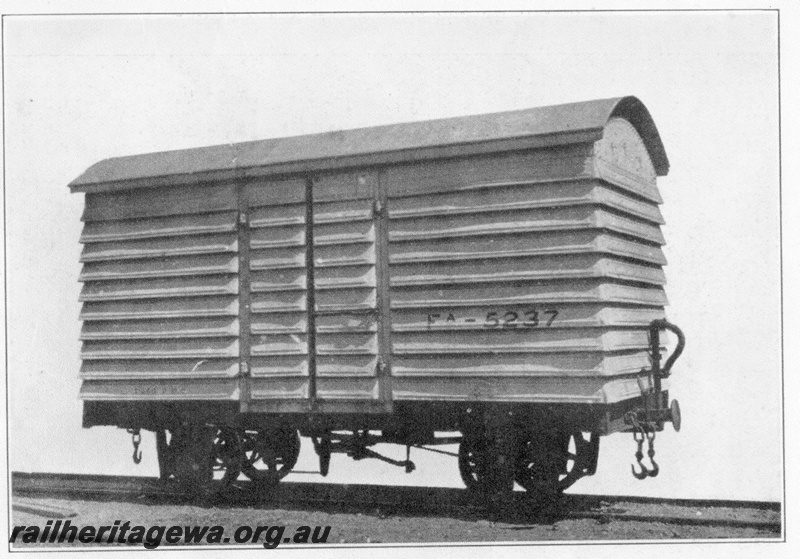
{"x": 493, "y": 282}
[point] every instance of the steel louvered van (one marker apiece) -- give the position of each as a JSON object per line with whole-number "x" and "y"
{"x": 494, "y": 281}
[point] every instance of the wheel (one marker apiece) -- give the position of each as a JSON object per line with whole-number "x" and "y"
{"x": 269, "y": 456}
{"x": 471, "y": 462}
{"x": 550, "y": 462}
{"x": 228, "y": 456}
{"x": 204, "y": 459}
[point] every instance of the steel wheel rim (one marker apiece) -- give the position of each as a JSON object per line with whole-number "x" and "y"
{"x": 552, "y": 469}
{"x": 268, "y": 462}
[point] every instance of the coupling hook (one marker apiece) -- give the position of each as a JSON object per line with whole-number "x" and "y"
{"x": 136, "y": 438}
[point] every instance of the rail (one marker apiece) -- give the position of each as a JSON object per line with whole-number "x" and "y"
{"x": 412, "y": 500}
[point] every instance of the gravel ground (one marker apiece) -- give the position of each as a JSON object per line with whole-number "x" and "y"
{"x": 385, "y": 526}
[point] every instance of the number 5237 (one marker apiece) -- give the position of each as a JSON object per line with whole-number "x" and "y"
{"x": 530, "y": 318}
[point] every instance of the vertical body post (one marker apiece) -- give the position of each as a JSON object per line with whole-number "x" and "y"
{"x": 243, "y": 228}
{"x": 311, "y": 316}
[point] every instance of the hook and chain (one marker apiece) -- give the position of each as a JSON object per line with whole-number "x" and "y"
{"x": 136, "y": 438}
{"x": 640, "y": 434}
{"x": 651, "y": 452}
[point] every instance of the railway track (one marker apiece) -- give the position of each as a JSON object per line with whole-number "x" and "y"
{"x": 757, "y": 515}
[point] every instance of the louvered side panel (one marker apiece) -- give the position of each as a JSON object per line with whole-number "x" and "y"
{"x": 472, "y": 318}
{"x": 160, "y": 296}
{"x": 523, "y": 388}
{"x": 566, "y": 163}
{"x": 536, "y": 293}
{"x": 514, "y": 269}
{"x": 345, "y": 278}
{"x": 160, "y": 202}
{"x": 514, "y": 290}
{"x": 279, "y": 336}
{"x": 526, "y": 245}
{"x": 539, "y": 220}
{"x": 494, "y": 197}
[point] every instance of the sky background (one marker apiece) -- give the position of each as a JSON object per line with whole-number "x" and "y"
{"x": 83, "y": 88}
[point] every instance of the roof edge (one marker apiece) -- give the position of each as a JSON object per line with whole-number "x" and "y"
{"x": 368, "y": 159}
{"x": 633, "y": 110}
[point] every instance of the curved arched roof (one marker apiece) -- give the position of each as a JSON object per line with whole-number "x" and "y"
{"x": 450, "y": 137}
{"x": 634, "y": 111}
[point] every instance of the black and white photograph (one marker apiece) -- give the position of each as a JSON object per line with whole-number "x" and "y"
{"x": 349, "y": 279}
